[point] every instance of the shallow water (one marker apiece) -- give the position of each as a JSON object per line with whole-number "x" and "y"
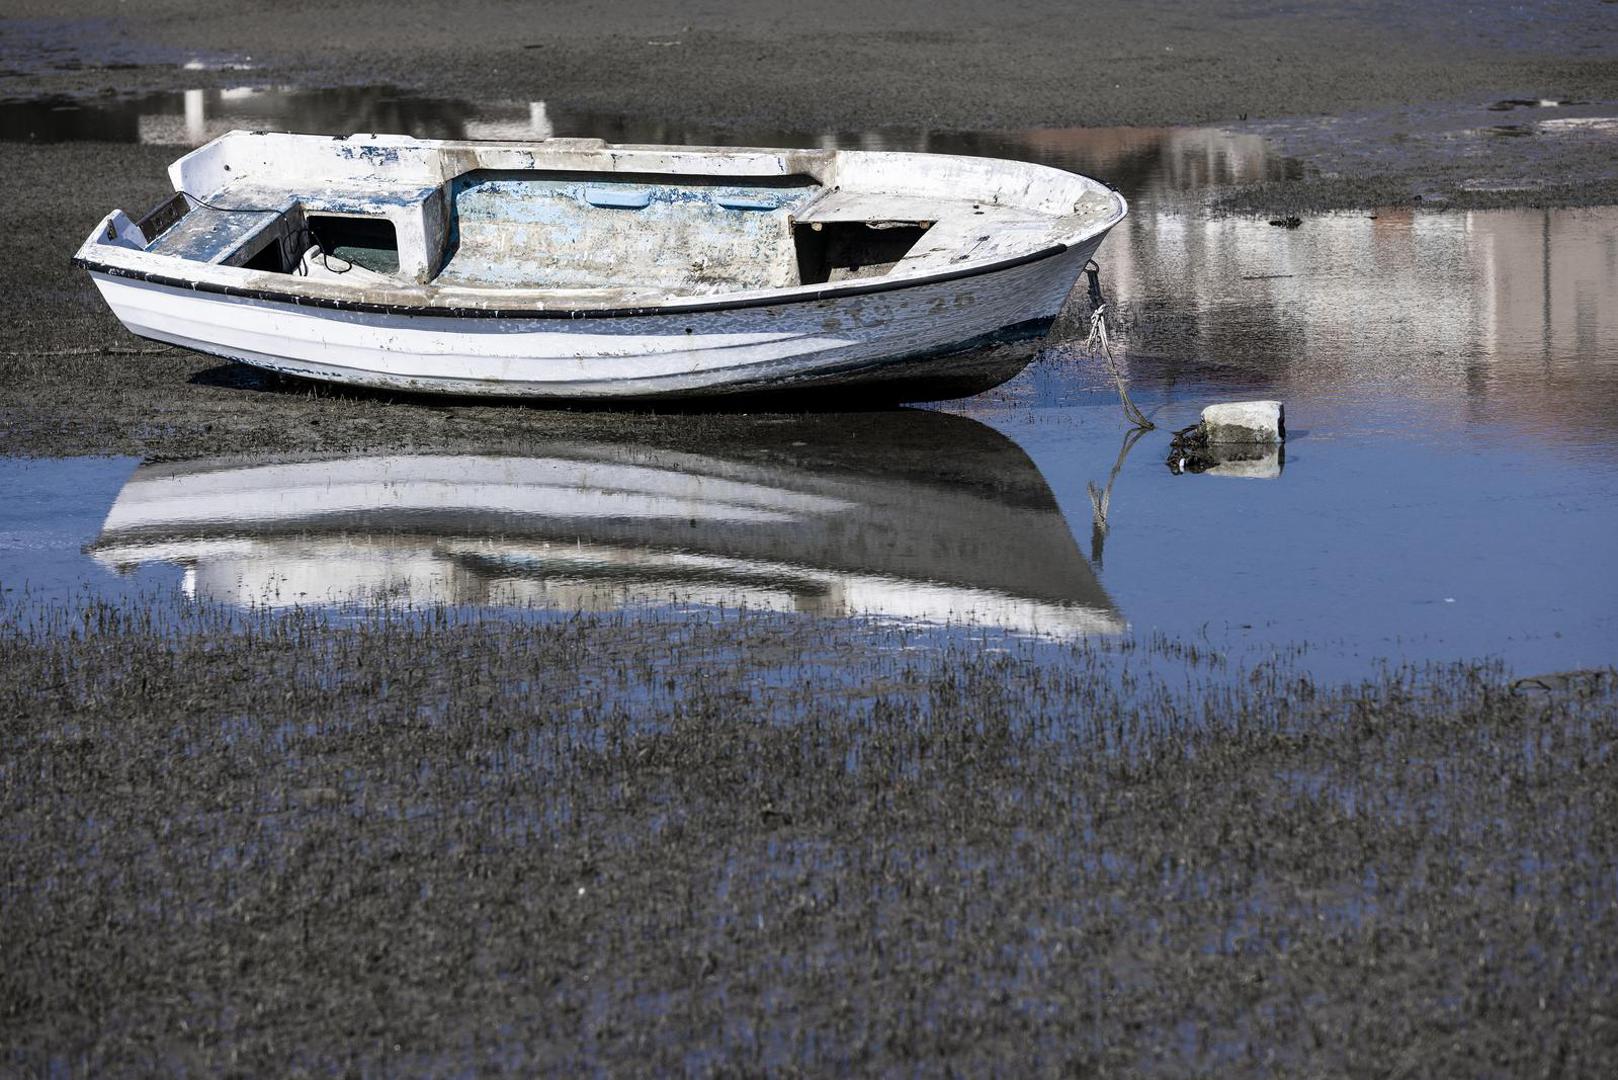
{"x": 1450, "y": 380}
{"x": 917, "y": 516}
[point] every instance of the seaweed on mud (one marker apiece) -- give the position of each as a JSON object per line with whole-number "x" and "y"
{"x": 411, "y": 842}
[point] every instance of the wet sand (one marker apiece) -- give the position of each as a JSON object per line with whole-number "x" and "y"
{"x": 946, "y": 67}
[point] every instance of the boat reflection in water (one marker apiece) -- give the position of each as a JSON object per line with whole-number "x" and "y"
{"x": 916, "y": 516}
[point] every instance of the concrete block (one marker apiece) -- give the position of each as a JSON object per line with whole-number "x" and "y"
{"x": 1245, "y": 422}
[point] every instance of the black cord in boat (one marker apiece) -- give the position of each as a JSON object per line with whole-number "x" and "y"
{"x": 304, "y": 237}
{"x": 233, "y": 209}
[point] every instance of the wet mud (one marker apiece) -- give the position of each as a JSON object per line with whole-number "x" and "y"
{"x": 507, "y": 847}
{"x": 1470, "y": 155}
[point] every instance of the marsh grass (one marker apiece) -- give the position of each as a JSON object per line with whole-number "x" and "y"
{"x": 436, "y": 842}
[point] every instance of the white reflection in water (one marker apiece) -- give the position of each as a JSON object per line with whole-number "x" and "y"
{"x": 1508, "y": 315}
{"x": 799, "y": 518}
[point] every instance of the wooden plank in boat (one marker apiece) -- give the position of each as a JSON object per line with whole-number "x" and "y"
{"x": 208, "y": 235}
{"x": 957, "y": 240}
{"x": 863, "y": 206}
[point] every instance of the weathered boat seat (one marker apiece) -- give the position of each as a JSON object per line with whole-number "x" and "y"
{"x": 839, "y": 206}
{"x": 960, "y": 230}
{"x": 210, "y": 235}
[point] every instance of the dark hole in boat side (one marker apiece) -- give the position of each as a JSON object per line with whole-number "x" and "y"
{"x": 364, "y": 241}
{"x": 846, "y": 250}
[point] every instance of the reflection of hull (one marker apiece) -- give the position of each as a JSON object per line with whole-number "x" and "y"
{"x": 917, "y": 516}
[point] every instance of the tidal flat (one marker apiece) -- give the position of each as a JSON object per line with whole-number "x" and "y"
{"x": 424, "y": 841}
{"x": 1320, "y": 782}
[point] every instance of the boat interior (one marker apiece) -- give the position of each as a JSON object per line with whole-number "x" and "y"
{"x": 583, "y": 216}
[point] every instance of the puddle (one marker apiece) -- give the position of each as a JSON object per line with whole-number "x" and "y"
{"x": 803, "y": 516}
{"x": 1450, "y": 382}
{"x": 1395, "y": 528}
{"x": 1141, "y": 162}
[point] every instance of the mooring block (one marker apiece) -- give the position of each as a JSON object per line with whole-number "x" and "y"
{"x": 1245, "y": 422}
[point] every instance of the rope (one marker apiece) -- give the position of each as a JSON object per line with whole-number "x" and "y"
{"x": 1098, "y": 333}
{"x": 1101, "y": 498}
{"x": 1099, "y": 339}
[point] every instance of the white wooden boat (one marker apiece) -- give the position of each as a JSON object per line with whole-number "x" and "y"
{"x": 571, "y": 268}
{"x": 922, "y": 518}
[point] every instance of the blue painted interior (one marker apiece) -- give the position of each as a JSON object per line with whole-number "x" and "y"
{"x": 621, "y": 198}
{"x": 525, "y": 229}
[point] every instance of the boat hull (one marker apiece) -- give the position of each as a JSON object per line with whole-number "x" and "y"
{"x": 923, "y": 341}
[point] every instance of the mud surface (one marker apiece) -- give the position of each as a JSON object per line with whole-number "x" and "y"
{"x": 1476, "y": 155}
{"x": 494, "y": 847}
{"x": 953, "y": 64}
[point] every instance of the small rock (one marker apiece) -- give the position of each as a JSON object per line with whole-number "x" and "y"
{"x": 1244, "y": 422}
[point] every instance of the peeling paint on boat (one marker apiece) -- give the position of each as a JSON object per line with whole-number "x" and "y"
{"x": 576, "y": 269}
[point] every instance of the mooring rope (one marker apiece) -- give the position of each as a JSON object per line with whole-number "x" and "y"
{"x": 1100, "y": 340}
